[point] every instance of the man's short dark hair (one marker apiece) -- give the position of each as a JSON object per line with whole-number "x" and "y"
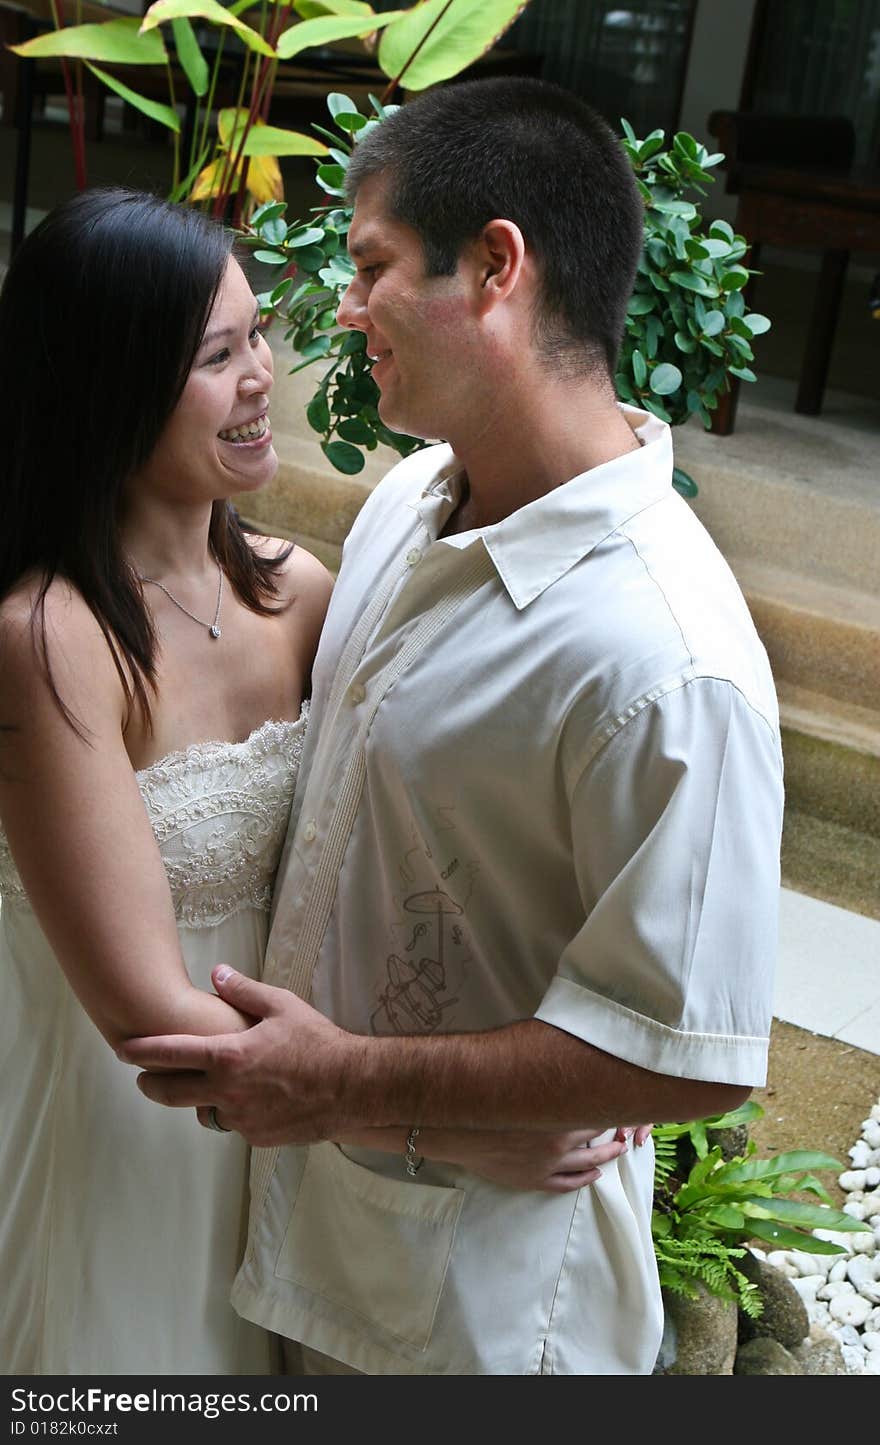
{"x": 526, "y": 151}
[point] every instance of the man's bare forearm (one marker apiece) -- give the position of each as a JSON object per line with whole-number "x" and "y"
{"x": 524, "y": 1075}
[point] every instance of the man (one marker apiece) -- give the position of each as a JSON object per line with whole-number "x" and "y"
{"x": 532, "y": 878}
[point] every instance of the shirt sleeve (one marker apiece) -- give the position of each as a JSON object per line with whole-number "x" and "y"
{"x": 676, "y": 828}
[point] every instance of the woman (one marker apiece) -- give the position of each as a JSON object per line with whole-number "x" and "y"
{"x": 154, "y": 666}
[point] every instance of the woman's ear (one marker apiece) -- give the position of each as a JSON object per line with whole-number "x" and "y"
{"x": 500, "y": 256}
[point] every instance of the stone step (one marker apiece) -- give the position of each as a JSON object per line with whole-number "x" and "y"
{"x": 818, "y": 636}
{"x": 831, "y": 862}
{"x": 789, "y": 491}
{"x": 831, "y": 751}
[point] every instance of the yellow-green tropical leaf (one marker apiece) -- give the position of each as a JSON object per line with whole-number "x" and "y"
{"x": 465, "y": 33}
{"x": 164, "y": 114}
{"x": 195, "y": 66}
{"x": 271, "y": 140}
{"x": 115, "y": 41}
{"x": 264, "y": 179}
{"x": 326, "y": 28}
{"x": 310, "y": 9}
{"x": 207, "y": 182}
{"x": 210, "y": 10}
{"x": 230, "y": 121}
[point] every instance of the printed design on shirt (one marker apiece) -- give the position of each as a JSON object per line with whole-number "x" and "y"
{"x": 424, "y": 973}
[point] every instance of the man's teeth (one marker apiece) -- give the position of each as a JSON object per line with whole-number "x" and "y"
{"x": 245, "y": 433}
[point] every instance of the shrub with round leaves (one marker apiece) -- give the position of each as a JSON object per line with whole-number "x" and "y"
{"x": 688, "y": 328}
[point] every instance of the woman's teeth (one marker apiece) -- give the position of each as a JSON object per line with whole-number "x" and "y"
{"x": 245, "y": 433}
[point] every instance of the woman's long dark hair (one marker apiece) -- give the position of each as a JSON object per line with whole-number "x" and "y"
{"x": 101, "y": 316}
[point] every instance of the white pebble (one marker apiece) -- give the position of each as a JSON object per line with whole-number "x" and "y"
{"x": 807, "y": 1286}
{"x": 835, "y": 1236}
{"x": 864, "y": 1244}
{"x": 850, "y": 1309}
{"x": 805, "y": 1263}
{"x": 859, "y": 1154}
{"x": 871, "y": 1133}
{"x": 834, "y": 1288}
{"x": 781, "y": 1260}
{"x": 817, "y": 1313}
{"x": 854, "y": 1359}
{"x": 855, "y": 1208}
{"x": 872, "y": 1177}
{"x": 875, "y": 1114}
{"x": 851, "y": 1179}
{"x": 872, "y": 1363}
{"x": 871, "y": 1342}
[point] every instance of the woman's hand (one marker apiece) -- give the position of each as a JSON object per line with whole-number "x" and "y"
{"x": 554, "y": 1163}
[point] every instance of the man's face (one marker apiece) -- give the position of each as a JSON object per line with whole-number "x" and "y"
{"x": 417, "y": 327}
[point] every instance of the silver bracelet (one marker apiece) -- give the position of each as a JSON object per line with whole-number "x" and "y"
{"x": 412, "y": 1160}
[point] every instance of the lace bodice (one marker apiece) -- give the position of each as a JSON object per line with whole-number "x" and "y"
{"x": 219, "y": 813}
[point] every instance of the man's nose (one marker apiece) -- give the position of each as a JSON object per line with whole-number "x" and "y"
{"x": 351, "y": 311}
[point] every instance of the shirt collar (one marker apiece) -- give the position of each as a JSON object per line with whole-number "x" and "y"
{"x": 537, "y": 544}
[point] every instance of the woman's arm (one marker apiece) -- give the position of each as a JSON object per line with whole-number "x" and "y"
{"x": 79, "y": 832}
{"x": 554, "y": 1163}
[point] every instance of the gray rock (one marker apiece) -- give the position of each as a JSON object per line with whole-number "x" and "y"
{"x": 820, "y": 1354}
{"x": 732, "y": 1142}
{"x": 784, "y": 1317}
{"x": 704, "y": 1330}
{"x": 763, "y": 1356}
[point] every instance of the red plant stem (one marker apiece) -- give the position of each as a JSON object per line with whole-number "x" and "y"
{"x": 75, "y": 111}
{"x": 260, "y": 97}
{"x": 393, "y": 85}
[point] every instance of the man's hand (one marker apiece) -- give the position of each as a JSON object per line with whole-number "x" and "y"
{"x": 280, "y": 1082}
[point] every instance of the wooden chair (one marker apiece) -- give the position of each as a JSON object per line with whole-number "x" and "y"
{"x": 820, "y": 146}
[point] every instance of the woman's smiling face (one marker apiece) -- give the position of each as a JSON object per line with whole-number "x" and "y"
{"x": 217, "y": 440}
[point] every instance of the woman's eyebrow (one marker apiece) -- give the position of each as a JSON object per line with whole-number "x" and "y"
{"x": 211, "y": 337}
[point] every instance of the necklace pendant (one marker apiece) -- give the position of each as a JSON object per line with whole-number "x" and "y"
{"x": 215, "y": 630}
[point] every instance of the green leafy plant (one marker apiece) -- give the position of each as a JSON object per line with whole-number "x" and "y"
{"x": 232, "y": 162}
{"x": 707, "y": 1209}
{"x": 687, "y": 329}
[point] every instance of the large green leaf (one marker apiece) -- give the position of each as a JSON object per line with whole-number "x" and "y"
{"x": 118, "y": 42}
{"x": 193, "y": 62}
{"x": 210, "y": 10}
{"x": 784, "y": 1238}
{"x": 794, "y": 1162}
{"x": 465, "y": 32}
{"x": 804, "y": 1215}
{"x": 309, "y": 9}
{"x": 272, "y": 140}
{"x": 164, "y": 114}
{"x": 328, "y": 28}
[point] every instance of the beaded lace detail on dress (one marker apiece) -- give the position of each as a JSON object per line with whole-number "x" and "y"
{"x": 219, "y": 812}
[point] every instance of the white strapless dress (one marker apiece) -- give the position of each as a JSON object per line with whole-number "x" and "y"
{"x": 122, "y": 1223}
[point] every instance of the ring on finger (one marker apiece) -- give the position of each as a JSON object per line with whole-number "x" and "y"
{"x": 214, "y": 1122}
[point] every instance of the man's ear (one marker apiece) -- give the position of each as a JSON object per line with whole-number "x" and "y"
{"x": 500, "y": 255}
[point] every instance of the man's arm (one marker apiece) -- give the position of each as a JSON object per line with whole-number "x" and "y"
{"x": 296, "y": 1077}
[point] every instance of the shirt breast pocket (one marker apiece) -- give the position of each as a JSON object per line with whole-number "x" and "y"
{"x": 375, "y": 1247}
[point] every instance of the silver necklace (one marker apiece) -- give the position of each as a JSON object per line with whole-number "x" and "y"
{"x": 213, "y": 627}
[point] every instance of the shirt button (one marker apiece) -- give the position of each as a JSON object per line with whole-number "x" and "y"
{"x": 357, "y": 692}
{"x": 309, "y": 830}
{"x": 298, "y": 902}
{"x": 413, "y": 556}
